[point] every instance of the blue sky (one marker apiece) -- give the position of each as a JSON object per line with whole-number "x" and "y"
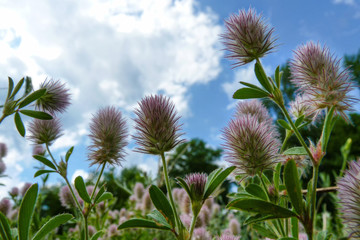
{"x": 116, "y": 52}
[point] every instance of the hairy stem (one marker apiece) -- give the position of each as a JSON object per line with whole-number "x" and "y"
{"x": 168, "y": 188}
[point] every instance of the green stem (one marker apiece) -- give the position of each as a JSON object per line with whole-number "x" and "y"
{"x": 268, "y": 198}
{"x": 86, "y": 228}
{"x": 168, "y": 188}
{"x": 313, "y": 197}
{"x": 73, "y": 194}
{"x": 2, "y": 118}
{"x": 193, "y": 222}
{"x": 98, "y": 180}
{"x": 51, "y": 156}
{"x": 296, "y": 131}
{"x": 287, "y": 137}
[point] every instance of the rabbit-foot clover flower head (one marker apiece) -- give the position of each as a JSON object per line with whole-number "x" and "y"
{"x": 349, "y": 195}
{"x": 2, "y": 167}
{"x": 247, "y": 37}
{"x": 304, "y": 105}
{"x": 24, "y": 188}
{"x": 317, "y": 73}
{"x": 257, "y": 109}
{"x": 39, "y": 150}
{"x": 196, "y": 183}
{"x": 228, "y": 236}
{"x": 5, "y": 206}
{"x": 201, "y": 234}
{"x": 56, "y": 98}
{"x": 66, "y": 198}
{"x": 44, "y": 131}
{"x": 108, "y": 134}
{"x": 3, "y": 150}
{"x": 250, "y": 146}
{"x": 157, "y": 127}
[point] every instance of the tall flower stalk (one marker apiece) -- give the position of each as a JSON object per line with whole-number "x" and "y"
{"x": 323, "y": 85}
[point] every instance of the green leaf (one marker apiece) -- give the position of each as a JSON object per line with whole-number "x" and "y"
{"x": 299, "y": 120}
{"x": 37, "y": 114}
{"x": 261, "y": 76}
{"x": 45, "y": 161}
{"x": 32, "y": 97}
{"x": 247, "y": 93}
{"x": 265, "y": 232}
{"x": 260, "y": 206}
{"x": 81, "y": 189}
{"x": 100, "y": 192}
{"x": 142, "y": 223}
{"x": 5, "y": 231}
{"x": 50, "y": 225}
{"x": 211, "y": 176}
{"x": 294, "y": 226}
{"x": 97, "y": 235}
{"x": 19, "y": 124}
{"x": 68, "y": 153}
{"x": 284, "y": 124}
{"x": 105, "y": 196}
{"x": 256, "y": 191}
{"x": 217, "y": 181}
{"x": 162, "y": 204}
{"x": 295, "y": 151}
{"x": 184, "y": 185}
{"x": 17, "y": 88}
{"x": 277, "y": 77}
{"x": 276, "y": 176}
{"x": 158, "y": 217}
{"x": 26, "y": 211}
{"x": 42, "y": 171}
{"x": 258, "y": 218}
{"x": 11, "y": 87}
{"x": 28, "y": 86}
{"x": 292, "y": 183}
{"x": 328, "y": 126}
{"x": 254, "y": 86}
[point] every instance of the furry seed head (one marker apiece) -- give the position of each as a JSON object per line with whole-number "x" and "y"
{"x": 157, "y": 128}
{"x": 304, "y": 105}
{"x": 56, "y": 99}
{"x": 255, "y": 108}
{"x": 44, "y": 131}
{"x": 196, "y": 183}
{"x": 349, "y": 195}
{"x": 250, "y": 146}
{"x": 247, "y": 37}
{"x": 108, "y": 134}
{"x": 2, "y": 167}
{"x": 317, "y": 73}
{"x": 66, "y": 198}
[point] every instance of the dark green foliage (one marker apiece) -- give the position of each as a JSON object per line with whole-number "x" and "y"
{"x": 353, "y": 61}
{"x": 193, "y": 156}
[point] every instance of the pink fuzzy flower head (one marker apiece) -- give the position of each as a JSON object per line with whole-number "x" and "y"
{"x": 66, "y": 198}
{"x": 108, "y": 134}
{"x": 228, "y": 236}
{"x": 24, "y": 188}
{"x": 254, "y": 108}
{"x": 44, "y": 131}
{"x": 304, "y": 105}
{"x": 247, "y": 37}
{"x": 2, "y": 167}
{"x": 56, "y": 98}
{"x": 250, "y": 146}
{"x": 3, "y": 150}
{"x": 317, "y": 73}
{"x": 349, "y": 195}
{"x": 39, "y": 150}
{"x": 196, "y": 183}
{"x": 5, "y": 206}
{"x": 157, "y": 127}
{"x": 201, "y": 234}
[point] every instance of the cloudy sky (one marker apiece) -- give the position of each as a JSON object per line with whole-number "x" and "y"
{"x": 116, "y": 52}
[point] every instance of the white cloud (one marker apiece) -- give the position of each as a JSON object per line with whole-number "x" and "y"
{"x": 108, "y": 52}
{"x": 347, "y": 2}
{"x": 79, "y": 172}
